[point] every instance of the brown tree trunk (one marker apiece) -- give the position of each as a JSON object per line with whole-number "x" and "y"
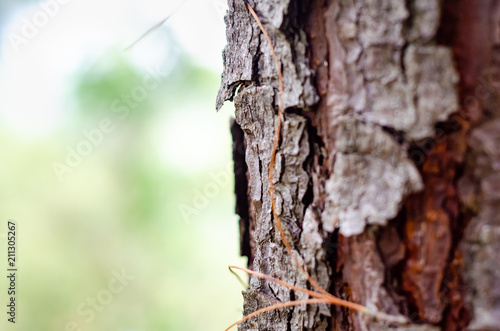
{"x": 386, "y": 173}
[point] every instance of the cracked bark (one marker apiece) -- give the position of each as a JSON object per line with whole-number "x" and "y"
{"x": 385, "y": 176}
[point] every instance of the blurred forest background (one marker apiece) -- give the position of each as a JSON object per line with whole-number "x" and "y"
{"x": 131, "y": 202}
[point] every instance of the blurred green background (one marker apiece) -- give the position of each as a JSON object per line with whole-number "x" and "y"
{"x": 150, "y": 198}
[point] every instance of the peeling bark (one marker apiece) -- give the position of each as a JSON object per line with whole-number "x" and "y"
{"x": 385, "y": 176}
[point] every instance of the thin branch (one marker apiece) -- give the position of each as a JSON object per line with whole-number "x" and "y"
{"x": 327, "y": 298}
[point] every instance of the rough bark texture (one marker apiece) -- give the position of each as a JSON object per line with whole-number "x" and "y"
{"x": 386, "y": 175}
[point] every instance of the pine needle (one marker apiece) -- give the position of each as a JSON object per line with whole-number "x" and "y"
{"x": 156, "y": 26}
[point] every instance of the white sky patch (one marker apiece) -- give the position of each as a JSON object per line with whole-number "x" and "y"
{"x": 194, "y": 139}
{"x": 34, "y": 80}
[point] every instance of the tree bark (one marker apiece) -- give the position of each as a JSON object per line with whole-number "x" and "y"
{"x": 386, "y": 173}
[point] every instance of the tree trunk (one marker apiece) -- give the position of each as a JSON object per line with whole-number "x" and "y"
{"x": 385, "y": 176}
